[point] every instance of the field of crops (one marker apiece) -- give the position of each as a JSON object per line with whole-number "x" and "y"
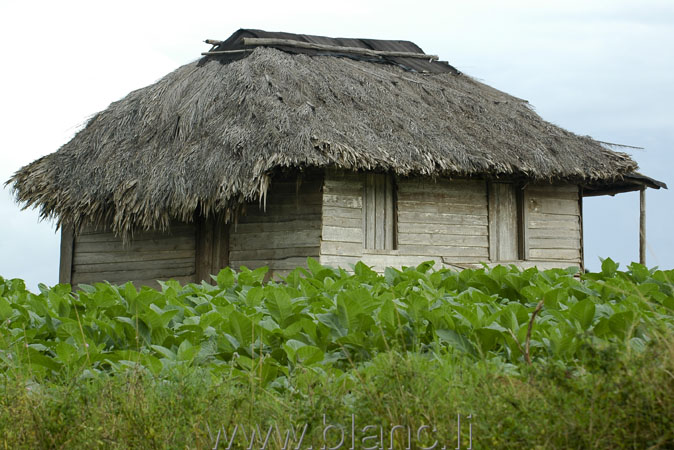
{"x": 331, "y": 321}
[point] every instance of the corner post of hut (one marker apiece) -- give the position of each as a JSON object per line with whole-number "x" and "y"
{"x": 642, "y": 225}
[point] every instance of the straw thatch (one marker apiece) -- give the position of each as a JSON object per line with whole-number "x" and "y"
{"x": 210, "y": 135}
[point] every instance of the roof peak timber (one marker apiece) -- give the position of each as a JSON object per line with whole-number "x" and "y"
{"x": 404, "y": 54}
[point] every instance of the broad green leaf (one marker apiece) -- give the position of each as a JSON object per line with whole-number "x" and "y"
{"x": 583, "y": 312}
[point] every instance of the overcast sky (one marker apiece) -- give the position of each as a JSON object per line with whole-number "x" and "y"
{"x": 601, "y": 68}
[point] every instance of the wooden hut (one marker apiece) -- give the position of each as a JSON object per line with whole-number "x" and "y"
{"x": 275, "y": 147}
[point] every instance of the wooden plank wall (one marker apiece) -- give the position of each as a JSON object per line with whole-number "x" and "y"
{"x": 440, "y": 221}
{"x": 285, "y": 232}
{"x": 100, "y": 255}
{"x": 446, "y": 219}
{"x": 553, "y": 220}
{"x": 342, "y": 234}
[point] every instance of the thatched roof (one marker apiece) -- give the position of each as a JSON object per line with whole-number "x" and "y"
{"x": 209, "y": 135}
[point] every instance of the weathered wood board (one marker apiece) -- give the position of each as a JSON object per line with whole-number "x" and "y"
{"x": 284, "y": 231}
{"x": 101, "y": 256}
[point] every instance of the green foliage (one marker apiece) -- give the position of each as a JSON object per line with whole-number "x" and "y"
{"x": 328, "y": 320}
{"x": 113, "y": 366}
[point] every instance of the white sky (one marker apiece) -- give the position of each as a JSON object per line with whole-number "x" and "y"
{"x": 602, "y": 69}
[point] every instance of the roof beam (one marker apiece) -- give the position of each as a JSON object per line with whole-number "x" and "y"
{"x": 334, "y": 48}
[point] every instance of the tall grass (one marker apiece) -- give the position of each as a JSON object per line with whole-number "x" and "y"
{"x": 612, "y": 400}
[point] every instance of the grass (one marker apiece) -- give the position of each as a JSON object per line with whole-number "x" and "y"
{"x": 611, "y": 400}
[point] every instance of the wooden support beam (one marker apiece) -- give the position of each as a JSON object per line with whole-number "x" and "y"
{"x": 66, "y": 263}
{"x": 334, "y": 48}
{"x": 212, "y": 249}
{"x": 226, "y": 52}
{"x": 642, "y": 226}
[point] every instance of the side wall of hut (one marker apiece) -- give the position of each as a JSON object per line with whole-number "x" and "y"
{"x": 458, "y": 223}
{"x": 281, "y": 231}
{"x": 98, "y": 255}
{"x": 554, "y": 233}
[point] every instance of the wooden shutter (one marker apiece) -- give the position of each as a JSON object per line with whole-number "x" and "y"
{"x": 505, "y": 235}
{"x": 378, "y": 212}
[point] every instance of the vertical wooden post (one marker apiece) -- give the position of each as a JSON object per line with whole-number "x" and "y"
{"x": 66, "y": 263}
{"x": 642, "y": 226}
{"x": 204, "y": 253}
{"x": 582, "y": 229}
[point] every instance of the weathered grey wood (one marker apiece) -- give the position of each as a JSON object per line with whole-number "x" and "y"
{"x": 555, "y": 254}
{"x": 553, "y": 188}
{"x": 547, "y": 221}
{"x": 220, "y": 246}
{"x": 285, "y": 207}
{"x": 122, "y": 257}
{"x": 290, "y": 225}
{"x": 453, "y": 197}
{"x": 157, "y": 244}
{"x": 380, "y": 211}
{"x": 390, "y": 225}
{"x": 580, "y": 224}
{"x": 439, "y": 208}
{"x": 204, "y": 249}
{"x": 369, "y": 212}
{"x": 443, "y": 239}
{"x": 286, "y": 233}
{"x": 559, "y": 195}
{"x": 339, "y": 260}
{"x": 441, "y": 218}
{"x": 279, "y": 264}
{"x": 437, "y": 228}
{"x": 92, "y": 237}
{"x": 542, "y": 265}
{"x": 341, "y": 248}
{"x": 343, "y": 222}
{"x": 273, "y": 254}
{"x": 226, "y": 52}
{"x": 337, "y": 175}
{"x": 554, "y": 223}
{"x": 99, "y": 255}
{"x": 150, "y": 281}
{"x": 552, "y": 243}
{"x": 349, "y": 213}
{"x": 438, "y": 250}
{"x": 378, "y": 262}
{"x": 523, "y": 223}
{"x": 503, "y": 226}
{"x": 642, "y": 226}
{"x": 567, "y": 233}
{"x": 382, "y": 261}
{"x": 311, "y": 214}
{"x": 296, "y": 186}
{"x": 129, "y": 275}
{"x": 343, "y": 234}
{"x": 352, "y": 188}
{"x": 335, "y": 48}
{"x": 66, "y": 260}
{"x": 177, "y": 263}
{"x": 550, "y": 205}
{"x": 275, "y": 239}
{"x": 343, "y": 201}
{"x": 423, "y": 185}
